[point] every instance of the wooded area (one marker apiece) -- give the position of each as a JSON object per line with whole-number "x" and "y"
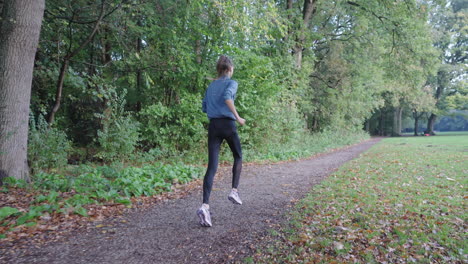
{"x": 117, "y": 78}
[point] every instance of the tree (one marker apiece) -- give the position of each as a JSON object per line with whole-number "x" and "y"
{"x": 20, "y": 26}
{"x": 73, "y": 51}
{"x": 450, "y": 31}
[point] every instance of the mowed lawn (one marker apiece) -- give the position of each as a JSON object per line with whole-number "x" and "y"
{"x": 403, "y": 201}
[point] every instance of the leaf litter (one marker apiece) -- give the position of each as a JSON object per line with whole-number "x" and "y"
{"x": 388, "y": 206}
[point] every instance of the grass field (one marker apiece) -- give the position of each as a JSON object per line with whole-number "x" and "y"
{"x": 403, "y": 201}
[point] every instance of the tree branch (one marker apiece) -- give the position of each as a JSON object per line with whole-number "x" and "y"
{"x": 327, "y": 83}
{"x": 73, "y": 21}
{"x": 90, "y": 37}
{"x": 381, "y": 18}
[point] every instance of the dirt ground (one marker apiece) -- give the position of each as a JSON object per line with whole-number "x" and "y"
{"x": 169, "y": 232}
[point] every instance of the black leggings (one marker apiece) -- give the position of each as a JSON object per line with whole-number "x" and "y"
{"x": 220, "y": 129}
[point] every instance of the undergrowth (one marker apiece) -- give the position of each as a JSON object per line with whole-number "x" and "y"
{"x": 70, "y": 189}
{"x": 68, "y": 193}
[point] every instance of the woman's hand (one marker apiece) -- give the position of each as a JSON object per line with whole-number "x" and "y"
{"x": 241, "y": 121}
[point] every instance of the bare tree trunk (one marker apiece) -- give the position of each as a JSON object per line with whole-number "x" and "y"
{"x": 58, "y": 93}
{"x": 198, "y": 51}
{"x": 416, "y": 122}
{"x": 20, "y": 26}
{"x": 400, "y": 128}
{"x": 381, "y": 123}
{"x": 310, "y": 7}
{"x": 416, "y": 117}
{"x": 433, "y": 117}
{"x": 430, "y": 124}
{"x": 289, "y": 6}
{"x": 138, "y": 78}
{"x": 397, "y": 122}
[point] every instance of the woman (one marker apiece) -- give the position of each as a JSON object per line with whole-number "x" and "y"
{"x": 218, "y": 104}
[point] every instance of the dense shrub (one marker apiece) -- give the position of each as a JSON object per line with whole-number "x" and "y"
{"x": 119, "y": 134}
{"x": 118, "y": 138}
{"x": 174, "y": 129}
{"x": 48, "y": 147}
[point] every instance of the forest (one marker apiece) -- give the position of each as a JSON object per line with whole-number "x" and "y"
{"x": 121, "y": 81}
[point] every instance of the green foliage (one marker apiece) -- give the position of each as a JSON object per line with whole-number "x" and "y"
{"x": 7, "y": 211}
{"x": 118, "y": 139}
{"x": 66, "y": 193}
{"x": 152, "y": 62}
{"x": 174, "y": 129}
{"x": 119, "y": 134}
{"x": 48, "y": 147}
{"x": 354, "y": 54}
{"x": 305, "y": 145}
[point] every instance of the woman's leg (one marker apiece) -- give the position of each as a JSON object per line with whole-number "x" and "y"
{"x": 235, "y": 146}
{"x": 214, "y": 143}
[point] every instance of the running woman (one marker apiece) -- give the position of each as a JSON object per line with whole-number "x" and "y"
{"x": 218, "y": 104}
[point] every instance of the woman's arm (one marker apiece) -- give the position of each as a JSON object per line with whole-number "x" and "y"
{"x": 232, "y": 107}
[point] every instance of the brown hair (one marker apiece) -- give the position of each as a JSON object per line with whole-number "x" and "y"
{"x": 223, "y": 65}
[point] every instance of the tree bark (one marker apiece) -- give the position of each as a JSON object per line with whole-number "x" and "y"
{"x": 430, "y": 124}
{"x": 416, "y": 123}
{"x": 310, "y": 7}
{"x": 138, "y": 77}
{"x": 20, "y": 26}
{"x": 198, "y": 51}
{"x": 433, "y": 117}
{"x": 381, "y": 123}
{"x": 416, "y": 117}
{"x": 289, "y": 6}
{"x": 397, "y": 122}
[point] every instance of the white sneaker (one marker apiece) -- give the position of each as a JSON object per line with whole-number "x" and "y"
{"x": 205, "y": 216}
{"x": 234, "y": 197}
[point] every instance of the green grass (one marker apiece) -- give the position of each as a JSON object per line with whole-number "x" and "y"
{"x": 402, "y": 201}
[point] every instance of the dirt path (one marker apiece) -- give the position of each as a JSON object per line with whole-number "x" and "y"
{"x": 170, "y": 233}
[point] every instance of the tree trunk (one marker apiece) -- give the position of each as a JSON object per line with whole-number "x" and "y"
{"x": 416, "y": 123}
{"x": 437, "y": 96}
{"x": 289, "y": 7}
{"x": 198, "y": 51}
{"x": 381, "y": 123}
{"x": 397, "y": 122}
{"x": 58, "y": 93}
{"x": 298, "y": 56}
{"x": 416, "y": 117}
{"x": 139, "y": 76}
{"x": 430, "y": 124}
{"x": 310, "y": 7}
{"x": 20, "y": 26}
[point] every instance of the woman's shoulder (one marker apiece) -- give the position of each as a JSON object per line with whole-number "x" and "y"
{"x": 232, "y": 82}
